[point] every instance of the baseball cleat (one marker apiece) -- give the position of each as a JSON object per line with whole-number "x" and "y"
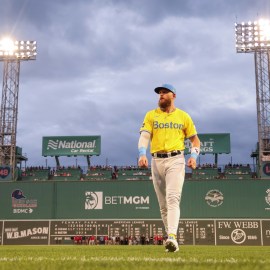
{"x": 171, "y": 244}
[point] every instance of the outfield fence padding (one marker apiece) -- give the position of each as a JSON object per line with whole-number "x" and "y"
{"x": 109, "y": 201}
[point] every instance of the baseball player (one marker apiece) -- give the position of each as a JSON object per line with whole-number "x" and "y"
{"x": 167, "y": 127}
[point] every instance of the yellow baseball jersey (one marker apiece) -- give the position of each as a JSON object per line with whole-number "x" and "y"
{"x": 168, "y": 130}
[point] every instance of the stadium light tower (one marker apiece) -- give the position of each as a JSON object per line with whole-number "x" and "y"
{"x": 11, "y": 53}
{"x": 254, "y": 37}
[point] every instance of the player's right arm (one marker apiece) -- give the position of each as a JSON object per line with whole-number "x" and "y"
{"x": 142, "y": 147}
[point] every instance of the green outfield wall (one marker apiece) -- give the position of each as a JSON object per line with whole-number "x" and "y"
{"x": 131, "y": 200}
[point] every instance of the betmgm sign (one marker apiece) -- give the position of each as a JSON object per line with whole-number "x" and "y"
{"x": 71, "y": 146}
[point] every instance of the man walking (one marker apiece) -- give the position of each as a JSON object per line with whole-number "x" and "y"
{"x": 167, "y": 127}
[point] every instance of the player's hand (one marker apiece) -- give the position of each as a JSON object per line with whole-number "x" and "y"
{"x": 191, "y": 163}
{"x": 143, "y": 161}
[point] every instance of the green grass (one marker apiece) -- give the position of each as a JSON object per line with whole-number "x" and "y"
{"x": 133, "y": 257}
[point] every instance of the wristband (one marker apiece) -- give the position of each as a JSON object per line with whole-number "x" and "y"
{"x": 195, "y": 151}
{"x": 194, "y": 155}
{"x": 142, "y": 151}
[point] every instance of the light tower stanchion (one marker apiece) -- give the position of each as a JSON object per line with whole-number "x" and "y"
{"x": 254, "y": 37}
{"x": 9, "y": 114}
{"x": 11, "y": 53}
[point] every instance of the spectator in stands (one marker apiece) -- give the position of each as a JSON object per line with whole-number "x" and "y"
{"x": 143, "y": 239}
{"x": 113, "y": 240}
{"x": 106, "y": 239}
{"x": 130, "y": 240}
{"x": 155, "y": 239}
{"x": 92, "y": 240}
{"x": 126, "y": 240}
{"x": 101, "y": 240}
{"x": 122, "y": 240}
{"x": 114, "y": 172}
{"x": 78, "y": 239}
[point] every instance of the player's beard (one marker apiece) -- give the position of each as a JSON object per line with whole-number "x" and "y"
{"x": 164, "y": 103}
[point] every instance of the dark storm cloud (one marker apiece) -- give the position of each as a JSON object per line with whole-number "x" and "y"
{"x": 155, "y": 10}
{"x": 99, "y": 61}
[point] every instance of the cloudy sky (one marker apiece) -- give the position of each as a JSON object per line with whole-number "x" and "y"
{"x": 99, "y": 61}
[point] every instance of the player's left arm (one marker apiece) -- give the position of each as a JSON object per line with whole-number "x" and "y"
{"x": 195, "y": 151}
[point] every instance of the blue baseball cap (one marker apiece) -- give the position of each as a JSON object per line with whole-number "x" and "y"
{"x": 167, "y": 87}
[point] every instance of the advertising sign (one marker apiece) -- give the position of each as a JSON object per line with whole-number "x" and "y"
{"x": 225, "y": 199}
{"x": 128, "y": 199}
{"x": 26, "y": 200}
{"x": 238, "y": 232}
{"x": 266, "y": 169}
{"x": 26, "y": 232}
{"x": 212, "y": 143}
{"x": 71, "y": 145}
{"x": 5, "y": 173}
{"x": 266, "y": 232}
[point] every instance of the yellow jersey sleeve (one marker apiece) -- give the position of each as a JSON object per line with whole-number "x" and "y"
{"x": 148, "y": 123}
{"x": 168, "y": 130}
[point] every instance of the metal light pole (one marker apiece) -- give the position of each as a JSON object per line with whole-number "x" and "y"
{"x": 11, "y": 53}
{"x": 254, "y": 37}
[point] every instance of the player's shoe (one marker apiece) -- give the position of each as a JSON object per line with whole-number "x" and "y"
{"x": 171, "y": 244}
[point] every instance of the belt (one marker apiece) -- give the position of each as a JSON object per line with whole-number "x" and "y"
{"x": 166, "y": 155}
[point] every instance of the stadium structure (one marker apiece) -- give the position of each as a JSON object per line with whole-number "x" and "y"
{"x": 227, "y": 205}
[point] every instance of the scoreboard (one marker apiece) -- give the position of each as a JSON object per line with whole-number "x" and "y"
{"x": 254, "y": 232}
{"x": 62, "y": 230}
